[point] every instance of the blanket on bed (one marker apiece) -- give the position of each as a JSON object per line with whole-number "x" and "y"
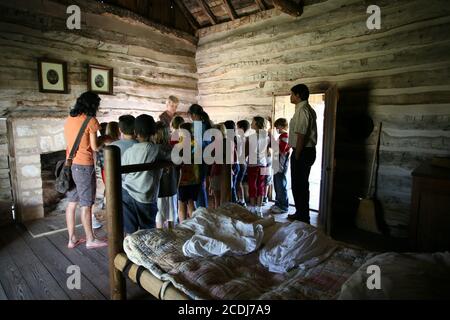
{"x": 296, "y": 245}
{"x": 238, "y": 277}
{"x": 217, "y": 234}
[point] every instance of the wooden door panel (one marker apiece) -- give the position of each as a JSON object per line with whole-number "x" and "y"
{"x": 329, "y": 133}
{"x": 5, "y": 181}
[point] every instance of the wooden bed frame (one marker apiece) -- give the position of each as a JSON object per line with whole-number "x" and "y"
{"x": 119, "y": 265}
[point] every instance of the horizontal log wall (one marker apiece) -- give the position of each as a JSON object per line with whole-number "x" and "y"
{"x": 398, "y": 75}
{"x": 149, "y": 63}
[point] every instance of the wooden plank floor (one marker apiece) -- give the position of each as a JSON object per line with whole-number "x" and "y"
{"x": 3, "y": 293}
{"x": 35, "y": 268}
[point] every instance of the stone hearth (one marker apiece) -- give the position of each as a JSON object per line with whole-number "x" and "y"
{"x": 29, "y": 138}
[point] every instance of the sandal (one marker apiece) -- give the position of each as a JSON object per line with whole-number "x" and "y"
{"x": 96, "y": 244}
{"x": 72, "y": 245}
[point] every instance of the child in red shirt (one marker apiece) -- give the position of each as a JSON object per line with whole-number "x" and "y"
{"x": 279, "y": 178}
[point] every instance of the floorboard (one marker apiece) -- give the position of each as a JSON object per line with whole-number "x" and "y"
{"x": 99, "y": 257}
{"x": 2, "y": 293}
{"x": 40, "y": 281}
{"x": 11, "y": 279}
{"x": 57, "y": 265}
{"x": 47, "y": 225}
{"x": 88, "y": 267}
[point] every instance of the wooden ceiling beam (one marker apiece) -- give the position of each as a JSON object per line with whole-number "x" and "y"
{"x": 230, "y": 10}
{"x": 261, "y": 5}
{"x": 188, "y": 15}
{"x": 289, "y": 7}
{"x": 207, "y": 11}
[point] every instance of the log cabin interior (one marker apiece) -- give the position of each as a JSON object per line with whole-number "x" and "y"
{"x": 381, "y": 92}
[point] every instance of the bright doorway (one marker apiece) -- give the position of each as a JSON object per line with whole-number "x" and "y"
{"x": 285, "y": 109}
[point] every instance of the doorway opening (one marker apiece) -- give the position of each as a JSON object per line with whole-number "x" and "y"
{"x": 285, "y": 109}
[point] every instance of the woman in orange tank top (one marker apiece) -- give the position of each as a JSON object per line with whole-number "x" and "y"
{"x": 83, "y": 170}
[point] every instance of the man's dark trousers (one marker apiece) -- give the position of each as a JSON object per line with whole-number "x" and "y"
{"x": 300, "y": 170}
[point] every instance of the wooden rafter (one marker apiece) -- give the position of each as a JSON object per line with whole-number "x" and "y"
{"x": 230, "y": 10}
{"x": 190, "y": 18}
{"x": 261, "y": 5}
{"x": 207, "y": 11}
{"x": 289, "y": 7}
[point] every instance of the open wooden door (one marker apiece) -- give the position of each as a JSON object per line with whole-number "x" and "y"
{"x": 329, "y": 133}
{"x": 6, "y": 200}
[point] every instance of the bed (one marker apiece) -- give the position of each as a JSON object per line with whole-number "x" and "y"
{"x": 239, "y": 277}
{"x": 265, "y": 260}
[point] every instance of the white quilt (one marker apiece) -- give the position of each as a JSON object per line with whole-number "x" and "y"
{"x": 217, "y": 234}
{"x": 296, "y": 245}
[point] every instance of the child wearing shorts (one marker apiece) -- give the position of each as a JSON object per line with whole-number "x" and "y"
{"x": 256, "y": 150}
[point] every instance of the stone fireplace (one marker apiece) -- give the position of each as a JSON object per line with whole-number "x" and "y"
{"x": 29, "y": 138}
{"x": 52, "y": 199}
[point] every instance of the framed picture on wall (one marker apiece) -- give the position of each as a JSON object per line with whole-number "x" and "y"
{"x": 52, "y": 76}
{"x": 100, "y": 79}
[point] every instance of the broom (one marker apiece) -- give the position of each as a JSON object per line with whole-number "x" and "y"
{"x": 367, "y": 213}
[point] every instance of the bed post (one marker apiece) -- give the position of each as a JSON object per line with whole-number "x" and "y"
{"x": 113, "y": 186}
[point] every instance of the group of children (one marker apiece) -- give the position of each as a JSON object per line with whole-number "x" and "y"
{"x": 163, "y": 197}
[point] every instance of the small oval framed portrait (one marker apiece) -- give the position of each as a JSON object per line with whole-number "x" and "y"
{"x": 100, "y": 79}
{"x": 52, "y": 76}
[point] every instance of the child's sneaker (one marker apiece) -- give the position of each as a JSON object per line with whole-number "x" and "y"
{"x": 259, "y": 212}
{"x": 265, "y": 201}
{"x": 241, "y": 203}
{"x": 253, "y": 210}
{"x": 277, "y": 210}
{"x": 95, "y": 223}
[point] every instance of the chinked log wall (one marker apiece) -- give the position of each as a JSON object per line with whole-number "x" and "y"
{"x": 399, "y": 75}
{"x": 150, "y": 62}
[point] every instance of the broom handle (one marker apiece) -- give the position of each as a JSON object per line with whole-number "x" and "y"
{"x": 374, "y": 160}
{"x": 272, "y": 128}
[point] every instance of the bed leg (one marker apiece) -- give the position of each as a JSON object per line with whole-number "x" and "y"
{"x": 115, "y": 220}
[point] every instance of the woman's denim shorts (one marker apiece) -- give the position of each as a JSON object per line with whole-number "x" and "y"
{"x": 85, "y": 185}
